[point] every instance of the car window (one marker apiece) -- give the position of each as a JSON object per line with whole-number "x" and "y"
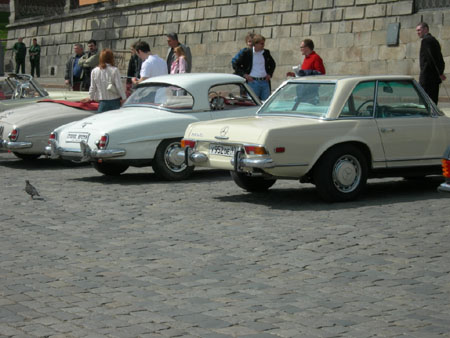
{"x": 230, "y": 96}
{"x": 301, "y": 98}
{"x": 161, "y": 95}
{"x": 400, "y": 99}
{"x": 360, "y": 101}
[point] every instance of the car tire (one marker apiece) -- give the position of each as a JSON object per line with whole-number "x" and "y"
{"x": 27, "y": 157}
{"x": 109, "y": 168}
{"x": 341, "y": 173}
{"x": 252, "y": 184}
{"x": 166, "y": 166}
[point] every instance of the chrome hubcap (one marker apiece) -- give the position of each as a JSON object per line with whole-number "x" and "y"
{"x": 347, "y": 173}
{"x": 171, "y": 160}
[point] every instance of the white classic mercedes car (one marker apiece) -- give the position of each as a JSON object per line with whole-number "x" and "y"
{"x": 148, "y": 128}
{"x": 334, "y": 132}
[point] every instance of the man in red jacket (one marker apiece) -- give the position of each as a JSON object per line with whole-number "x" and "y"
{"x": 312, "y": 60}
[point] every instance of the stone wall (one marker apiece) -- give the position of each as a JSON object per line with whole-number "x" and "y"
{"x": 350, "y": 35}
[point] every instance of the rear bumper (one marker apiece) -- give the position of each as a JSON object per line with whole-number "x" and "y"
{"x": 84, "y": 154}
{"x": 194, "y": 157}
{"x": 8, "y": 145}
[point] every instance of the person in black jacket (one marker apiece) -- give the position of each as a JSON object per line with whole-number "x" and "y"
{"x": 431, "y": 62}
{"x": 256, "y": 65}
{"x": 134, "y": 68}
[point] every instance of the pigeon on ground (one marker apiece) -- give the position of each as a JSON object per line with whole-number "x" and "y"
{"x": 30, "y": 189}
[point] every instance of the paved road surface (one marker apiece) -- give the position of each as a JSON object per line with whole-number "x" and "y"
{"x": 133, "y": 256}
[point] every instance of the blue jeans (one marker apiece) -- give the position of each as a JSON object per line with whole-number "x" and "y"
{"x": 106, "y": 105}
{"x": 261, "y": 88}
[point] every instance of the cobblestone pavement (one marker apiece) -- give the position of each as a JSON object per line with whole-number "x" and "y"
{"x": 133, "y": 256}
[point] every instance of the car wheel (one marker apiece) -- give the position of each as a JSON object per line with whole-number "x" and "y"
{"x": 27, "y": 157}
{"x": 110, "y": 169}
{"x": 166, "y": 166}
{"x": 251, "y": 183}
{"x": 340, "y": 174}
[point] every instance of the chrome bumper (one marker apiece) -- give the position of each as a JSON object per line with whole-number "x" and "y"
{"x": 15, "y": 145}
{"x": 444, "y": 187}
{"x": 261, "y": 163}
{"x": 192, "y": 157}
{"x": 85, "y": 153}
{"x": 189, "y": 157}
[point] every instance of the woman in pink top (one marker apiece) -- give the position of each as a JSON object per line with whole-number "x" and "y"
{"x": 179, "y": 65}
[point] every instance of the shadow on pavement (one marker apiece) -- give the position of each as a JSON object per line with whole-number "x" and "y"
{"x": 376, "y": 193}
{"x": 41, "y": 163}
{"x": 141, "y": 178}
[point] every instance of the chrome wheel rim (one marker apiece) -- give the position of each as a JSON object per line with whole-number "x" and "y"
{"x": 346, "y": 173}
{"x": 172, "y": 162}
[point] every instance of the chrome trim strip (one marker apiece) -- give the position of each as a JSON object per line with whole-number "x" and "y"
{"x": 414, "y": 159}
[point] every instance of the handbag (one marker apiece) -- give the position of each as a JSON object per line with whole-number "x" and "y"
{"x": 111, "y": 87}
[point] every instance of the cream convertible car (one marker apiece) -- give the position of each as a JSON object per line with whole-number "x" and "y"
{"x": 147, "y": 130}
{"x": 334, "y": 132}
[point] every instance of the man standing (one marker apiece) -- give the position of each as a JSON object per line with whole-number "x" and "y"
{"x": 172, "y": 41}
{"x": 256, "y": 65}
{"x": 152, "y": 64}
{"x": 20, "y": 50}
{"x": 431, "y": 62}
{"x": 88, "y": 62}
{"x": 73, "y": 71}
{"x": 35, "y": 56}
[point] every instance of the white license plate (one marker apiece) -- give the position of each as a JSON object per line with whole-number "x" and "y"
{"x": 77, "y": 137}
{"x": 219, "y": 149}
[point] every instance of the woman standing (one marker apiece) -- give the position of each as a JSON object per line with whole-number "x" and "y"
{"x": 179, "y": 65}
{"x": 106, "y": 86}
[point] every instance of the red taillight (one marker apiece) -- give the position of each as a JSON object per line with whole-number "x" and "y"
{"x": 255, "y": 150}
{"x": 52, "y": 137}
{"x": 13, "y": 135}
{"x": 446, "y": 168}
{"x": 187, "y": 143}
{"x": 103, "y": 142}
{"x": 280, "y": 149}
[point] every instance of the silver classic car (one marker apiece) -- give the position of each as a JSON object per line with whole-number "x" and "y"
{"x": 26, "y": 122}
{"x": 25, "y": 130}
{"x": 334, "y": 132}
{"x": 148, "y": 128}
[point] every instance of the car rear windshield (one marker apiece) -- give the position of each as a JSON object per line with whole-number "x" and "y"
{"x": 161, "y": 95}
{"x": 310, "y": 99}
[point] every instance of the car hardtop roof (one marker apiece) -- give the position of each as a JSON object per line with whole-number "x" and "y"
{"x": 193, "y": 80}
{"x": 351, "y": 78}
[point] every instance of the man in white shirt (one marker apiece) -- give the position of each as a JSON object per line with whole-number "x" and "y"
{"x": 152, "y": 64}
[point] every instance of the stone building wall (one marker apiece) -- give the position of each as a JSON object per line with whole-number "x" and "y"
{"x": 350, "y": 35}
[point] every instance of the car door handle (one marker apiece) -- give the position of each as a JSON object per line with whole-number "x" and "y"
{"x": 387, "y": 130}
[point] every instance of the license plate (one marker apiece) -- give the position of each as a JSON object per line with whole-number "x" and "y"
{"x": 77, "y": 137}
{"x": 219, "y": 149}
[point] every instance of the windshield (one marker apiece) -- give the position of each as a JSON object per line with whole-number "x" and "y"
{"x": 301, "y": 98}
{"x": 20, "y": 87}
{"x": 161, "y": 95}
